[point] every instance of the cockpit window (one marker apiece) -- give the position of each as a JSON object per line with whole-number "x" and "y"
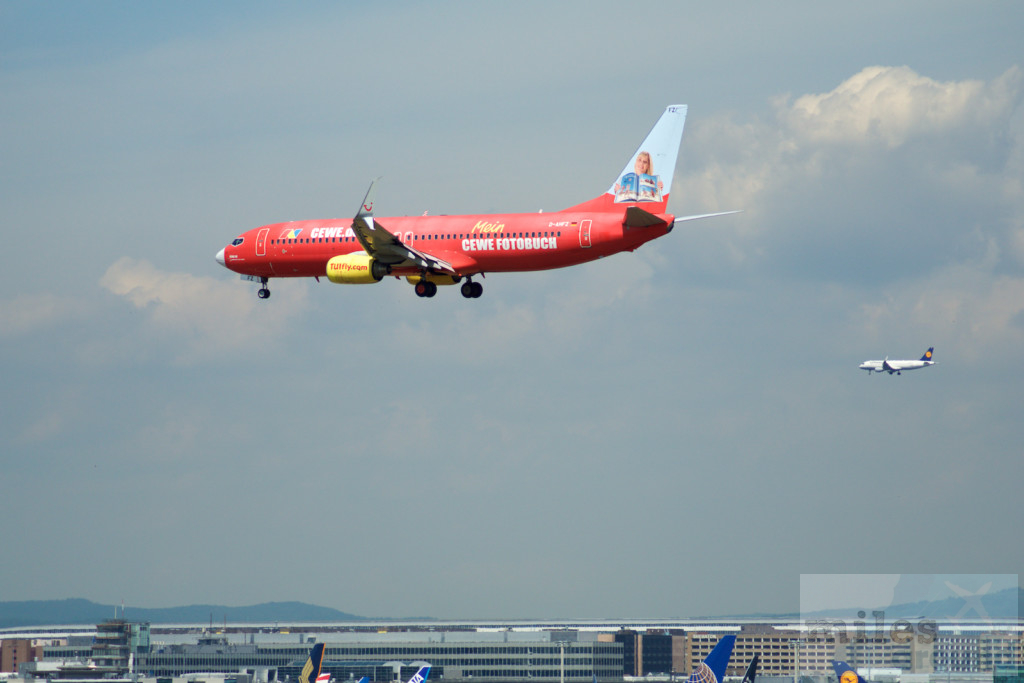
{"x": 238, "y": 240}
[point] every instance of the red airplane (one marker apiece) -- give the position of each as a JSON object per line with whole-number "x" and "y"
{"x": 445, "y": 250}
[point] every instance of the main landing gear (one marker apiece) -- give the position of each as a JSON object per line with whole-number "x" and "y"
{"x": 425, "y": 288}
{"x": 264, "y": 291}
{"x": 472, "y": 290}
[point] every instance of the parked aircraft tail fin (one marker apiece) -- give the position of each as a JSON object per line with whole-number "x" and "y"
{"x": 751, "y": 670}
{"x": 421, "y": 675}
{"x": 712, "y": 669}
{"x": 311, "y": 671}
{"x": 846, "y": 673}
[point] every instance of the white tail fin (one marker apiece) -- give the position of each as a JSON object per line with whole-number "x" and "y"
{"x": 646, "y": 179}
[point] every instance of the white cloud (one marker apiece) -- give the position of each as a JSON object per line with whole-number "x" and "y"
{"x": 888, "y": 177}
{"x": 895, "y": 104}
{"x": 200, "y": 317}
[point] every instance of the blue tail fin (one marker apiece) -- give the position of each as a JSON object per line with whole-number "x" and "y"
{"x": 929, "y": 353}
{"x": 312, "y": 668}
{"x": 421, "y": 675}
{"x": 845, "y": 673}
{"x": 712, "y": 669}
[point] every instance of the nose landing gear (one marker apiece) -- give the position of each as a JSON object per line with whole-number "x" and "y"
{"x": 264, "y": 291}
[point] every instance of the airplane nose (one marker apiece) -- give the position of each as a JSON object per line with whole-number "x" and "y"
{"x": 220, "y": 257}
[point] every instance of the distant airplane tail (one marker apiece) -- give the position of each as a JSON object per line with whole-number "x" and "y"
{"x": 421, "y": 675}
{"x": 311, "y": 671}
{"x": 929, "y": 353}
{"x": 646, "y": 180}
{"x": 712, "y": 669}
{"x": 751, "y": 670}
{"x": 845, "y": 673}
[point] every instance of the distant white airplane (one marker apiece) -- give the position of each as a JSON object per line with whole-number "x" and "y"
{"x": 898, "y": 366}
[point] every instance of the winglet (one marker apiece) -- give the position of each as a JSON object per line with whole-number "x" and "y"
{"x": 366, "y": 210}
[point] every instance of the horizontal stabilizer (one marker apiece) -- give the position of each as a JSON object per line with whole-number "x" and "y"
{"x": 706, "y": 215}
{"x": 638, "y": 218}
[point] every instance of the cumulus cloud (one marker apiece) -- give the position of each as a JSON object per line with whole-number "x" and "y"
{"x": 895, "y": 104}
{"x": 201, "y": 317}
{"x": 889, "y": 177}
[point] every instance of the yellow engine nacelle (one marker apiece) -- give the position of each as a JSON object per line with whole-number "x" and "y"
{"x": 355, "y": 269}
{"x": 436, "y": 278}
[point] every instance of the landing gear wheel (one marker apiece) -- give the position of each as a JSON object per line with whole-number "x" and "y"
{"x": 425, "y": 288}
{"x": 264, "y": 293}
{"x": 472, "y": 290}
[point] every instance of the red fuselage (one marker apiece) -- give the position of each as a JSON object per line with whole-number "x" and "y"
{"x": 472, "y": 244}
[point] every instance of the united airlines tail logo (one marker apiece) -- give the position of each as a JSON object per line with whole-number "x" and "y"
{"x": 704, "y": 674}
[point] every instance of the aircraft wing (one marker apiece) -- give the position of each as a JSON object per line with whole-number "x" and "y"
{"x": 385, "y": 247}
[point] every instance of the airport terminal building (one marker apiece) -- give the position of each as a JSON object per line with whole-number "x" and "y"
{"x": 608, "y": 652}
{"x": 540, "y": 660}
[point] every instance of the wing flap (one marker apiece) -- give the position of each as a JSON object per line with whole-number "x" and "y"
{"x": 385, "y": 247}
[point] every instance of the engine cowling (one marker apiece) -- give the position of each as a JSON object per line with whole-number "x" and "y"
{"x": 436, "y": 278}
{"x": 355, "y": 269}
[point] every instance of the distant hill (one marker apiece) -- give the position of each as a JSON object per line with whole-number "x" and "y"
{"x": 1006, "y": 603}
{"x": 74, "y": 611}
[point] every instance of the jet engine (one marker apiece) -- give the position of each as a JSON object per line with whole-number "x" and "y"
{"x": 436, "y": 278}
{"x": 355, "y": 269}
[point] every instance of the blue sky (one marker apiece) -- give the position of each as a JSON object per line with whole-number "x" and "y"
{"x": 678, "y": 431}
